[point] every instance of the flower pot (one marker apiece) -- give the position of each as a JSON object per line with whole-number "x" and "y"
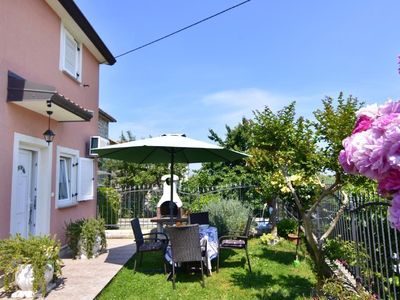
{"x": 24, "y": 276}
{"x": 293, "y": 238}
{"x": 82, "y": 254}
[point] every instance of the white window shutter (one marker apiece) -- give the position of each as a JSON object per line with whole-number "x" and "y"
{"x": 70, "y": 55}
{"x": 85, "y": 179}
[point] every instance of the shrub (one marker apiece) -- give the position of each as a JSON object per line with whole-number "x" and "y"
{"x": 348, "y": 252}
{"x": 86, "y": 232}
{"x": 38, "y": 251}
{"x": 109, "y": 204}
{"x": 268, "y": 239}
{"x": 229, "y": 216}
{"x": 200, "y": 203}
{"x": 286, "y": 226}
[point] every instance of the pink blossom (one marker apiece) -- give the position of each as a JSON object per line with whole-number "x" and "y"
{"x": 389, "y": 107}
{"x": 373, "y": 150}
{"x": 363, "y": 123}
{"x": 390, "y": 183}
{"x": 346, "y": 164}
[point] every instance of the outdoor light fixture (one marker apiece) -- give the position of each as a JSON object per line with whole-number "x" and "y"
{"x": 48, "y": 134}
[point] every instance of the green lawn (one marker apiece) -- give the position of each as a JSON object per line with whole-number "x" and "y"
{"x": 273, "y": 277}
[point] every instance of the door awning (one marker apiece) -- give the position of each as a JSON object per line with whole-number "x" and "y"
{"x": 40, "y": 98}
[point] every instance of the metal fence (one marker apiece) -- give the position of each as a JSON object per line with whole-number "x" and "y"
{"x": 141, "y": 202}
{"x": 365, "y": 223}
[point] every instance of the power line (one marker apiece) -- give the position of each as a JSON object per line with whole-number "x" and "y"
{"x": 182, "y": 29}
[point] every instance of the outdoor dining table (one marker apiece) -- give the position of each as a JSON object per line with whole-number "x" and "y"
{"x": 208, "y": 235}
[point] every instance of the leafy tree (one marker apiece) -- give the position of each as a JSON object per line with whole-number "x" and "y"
{"x": 227, "y": 173}
{"x": 290, "y": 156}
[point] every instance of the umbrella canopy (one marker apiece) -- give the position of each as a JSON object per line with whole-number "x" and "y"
{"x": 161, "y": 149}
{"x": 169, "y": 148}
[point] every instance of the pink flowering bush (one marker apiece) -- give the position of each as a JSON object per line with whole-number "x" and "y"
{"x": 373, "y": 150}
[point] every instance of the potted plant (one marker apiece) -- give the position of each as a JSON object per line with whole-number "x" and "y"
{"x": 86, "y": 237}
{"x": 286, "y": 227}
{"x": 29, "y": 264}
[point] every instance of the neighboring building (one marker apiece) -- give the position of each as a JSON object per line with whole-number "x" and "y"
{"x": 49, "y": 62}
{"x": 104, "y": 120}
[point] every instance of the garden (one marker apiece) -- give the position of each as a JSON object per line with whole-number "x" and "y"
{"x": 329, "y": 183}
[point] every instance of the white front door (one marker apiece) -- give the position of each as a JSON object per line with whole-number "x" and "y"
{"x": 26, "y": 193}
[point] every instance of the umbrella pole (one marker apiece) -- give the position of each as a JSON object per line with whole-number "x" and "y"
{"x": 171, "y": 202}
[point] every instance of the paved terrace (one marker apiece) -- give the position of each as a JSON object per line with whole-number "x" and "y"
{"x": 84, "y": 279}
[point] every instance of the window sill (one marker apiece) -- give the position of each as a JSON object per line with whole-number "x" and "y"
{"x": 78, "y": 81}
{"x": 66, "y": 204}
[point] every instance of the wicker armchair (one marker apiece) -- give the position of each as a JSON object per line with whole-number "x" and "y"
{"x": 199, "y": 218}
{"x": 148, "y": 244}
{"x": 235, "y": 242}
{"x": 185, "y": 247}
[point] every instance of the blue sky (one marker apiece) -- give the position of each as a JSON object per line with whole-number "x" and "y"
{"x": 261, "y": 53}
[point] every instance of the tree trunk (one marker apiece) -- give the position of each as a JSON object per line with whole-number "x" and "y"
{"x": 321, "y": 268}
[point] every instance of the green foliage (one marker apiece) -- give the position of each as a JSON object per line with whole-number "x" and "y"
{"x": 199, "y": 203}
{"x": 286, "y": 226}
{"x": 109, "y": 203}
{"x": 268, "y": 239}
{"x": 334, "y": 288}
{"x": 229, "y": 216}
{"x": 229, "y": 173}
{"x": 348, "y": 252}
{"x": 37, "y": 251}
{"x": 83, "y": 233}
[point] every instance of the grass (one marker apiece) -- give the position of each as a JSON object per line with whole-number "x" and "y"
{"x": 273, "y": 277}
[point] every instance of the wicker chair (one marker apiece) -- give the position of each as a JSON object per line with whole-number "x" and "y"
{"x": 199, "y": 218}
{"x": 148, "y": 244}
{"x": 236, "y": 242}
{"x": 185, "y": 247}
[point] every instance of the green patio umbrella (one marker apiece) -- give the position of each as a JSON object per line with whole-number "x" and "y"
{"x": 169, "y": 148}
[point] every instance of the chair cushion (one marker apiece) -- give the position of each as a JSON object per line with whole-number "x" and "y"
{"x": 151, "y": 246}
{"x": 233, "y": 243}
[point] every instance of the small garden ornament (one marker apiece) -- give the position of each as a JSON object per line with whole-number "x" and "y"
{"x": 373, "y": 150}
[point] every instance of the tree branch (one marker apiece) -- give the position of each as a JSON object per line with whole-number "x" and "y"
{"x": 336, "y": 219}
{"x": 292, "y": 190}
{"x": 325, "y": 193}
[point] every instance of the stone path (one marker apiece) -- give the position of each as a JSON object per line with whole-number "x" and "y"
{"x": 84, "y": 279}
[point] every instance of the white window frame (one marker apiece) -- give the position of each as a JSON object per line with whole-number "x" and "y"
{"x": 73, "y": 156}
{"x": 77, "y": 73}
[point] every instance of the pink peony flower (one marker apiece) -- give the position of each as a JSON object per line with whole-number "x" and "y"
{"x": 363, "y": 123}
{"x": 373, "y": 150}
{"x": 389, "y": 107}
{"x": 389, "y": 183}
{"x": 347, "y": 166}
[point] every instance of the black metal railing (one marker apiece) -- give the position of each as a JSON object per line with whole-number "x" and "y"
{"x": 365, "y": 223}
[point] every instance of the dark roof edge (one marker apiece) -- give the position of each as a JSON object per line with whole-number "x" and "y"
{"x": 76, "y": 14}
{"x": 72, "y": 107}
{"x": 106, "y": 115}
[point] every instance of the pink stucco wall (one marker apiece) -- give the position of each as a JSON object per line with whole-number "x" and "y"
{"x": 30, "y": 47}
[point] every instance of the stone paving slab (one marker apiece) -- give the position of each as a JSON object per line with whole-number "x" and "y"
{"x": 84, "y": 279}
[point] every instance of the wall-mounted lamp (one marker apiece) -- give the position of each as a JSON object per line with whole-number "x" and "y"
{"x": 48, "y": 134}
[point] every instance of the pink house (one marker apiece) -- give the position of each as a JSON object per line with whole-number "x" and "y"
{"x": 49, "y": 79}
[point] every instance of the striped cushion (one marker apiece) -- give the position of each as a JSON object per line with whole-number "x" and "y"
{"x": 233, "y": 243}
{"x": 150, "y": 246}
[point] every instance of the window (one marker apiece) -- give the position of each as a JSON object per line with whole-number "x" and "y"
{"x": 75, "y": 180}
{"x": 64, "y": 179}
{"x": 71, "y": 55}
{"x": 67, "y": 176}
